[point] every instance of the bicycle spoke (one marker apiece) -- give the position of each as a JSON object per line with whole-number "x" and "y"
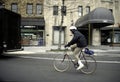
{"x": 61, "y": 63}
{"x": 89, "y": 64}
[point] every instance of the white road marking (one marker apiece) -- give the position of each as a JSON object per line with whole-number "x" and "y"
{"x": 108, "y": 61}
{"x": 46, "y": 58}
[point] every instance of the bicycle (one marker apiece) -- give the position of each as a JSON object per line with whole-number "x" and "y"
{"x": 61, "y": 62}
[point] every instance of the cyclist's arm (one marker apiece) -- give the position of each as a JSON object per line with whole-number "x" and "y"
{"x": 73, "y": 41}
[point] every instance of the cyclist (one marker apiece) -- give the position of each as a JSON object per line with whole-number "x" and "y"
{"x": 77, "y": 43}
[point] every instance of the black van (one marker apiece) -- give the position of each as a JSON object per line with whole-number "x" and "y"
{"x": 10, "y": 33}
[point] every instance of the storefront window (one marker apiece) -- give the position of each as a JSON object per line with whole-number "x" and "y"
{"x": 32, "y": 36}
{"x": 117, "y": 38}
{"x": 107, "y": 37}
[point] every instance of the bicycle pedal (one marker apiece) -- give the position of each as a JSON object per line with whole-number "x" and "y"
{"x": 76, "y": 65}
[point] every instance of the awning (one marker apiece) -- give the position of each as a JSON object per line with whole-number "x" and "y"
{"x": 111, "y": 28}
{"x": 33, "y": 22}
{"x": 99, "y": 17}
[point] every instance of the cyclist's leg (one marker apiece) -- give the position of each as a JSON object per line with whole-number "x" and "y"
{"x": 76, "y": 53}
{"x": 73, "y": 53}
{"x": 73, "y": 47}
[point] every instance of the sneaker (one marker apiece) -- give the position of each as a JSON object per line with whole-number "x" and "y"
{"x": 80, "y": 65}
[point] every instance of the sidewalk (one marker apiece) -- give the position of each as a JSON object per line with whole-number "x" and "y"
{"x": 48, "y": 49}
{"x": 99, "y": 50}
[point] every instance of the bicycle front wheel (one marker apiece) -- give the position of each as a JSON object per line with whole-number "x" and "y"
{"x": 90, "y": 64}
{"x": 61, "y": 63}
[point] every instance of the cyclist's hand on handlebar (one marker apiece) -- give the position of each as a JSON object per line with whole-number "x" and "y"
{"x": 65, "y": 46}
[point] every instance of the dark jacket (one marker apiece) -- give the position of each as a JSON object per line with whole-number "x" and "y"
{"x": 78, "y": 39}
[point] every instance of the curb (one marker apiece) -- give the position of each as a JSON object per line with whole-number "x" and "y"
{"x": 37, "y": 51}
{"x": 56, "y": 52}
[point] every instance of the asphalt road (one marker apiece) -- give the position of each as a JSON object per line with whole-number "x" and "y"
{"x": 40, "y": 69}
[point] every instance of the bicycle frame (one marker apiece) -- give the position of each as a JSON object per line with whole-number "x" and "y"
{"x": 63, "y": 65}
{"x": 74, "y": 63}
{"x": 66, "y": 55}
{"x": 82, "y": 55}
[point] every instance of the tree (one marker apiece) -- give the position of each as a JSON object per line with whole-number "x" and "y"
{"x": 63, "y": 10}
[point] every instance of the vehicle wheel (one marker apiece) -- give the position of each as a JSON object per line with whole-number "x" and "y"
{"x": 90, "y": 64}
{"x": 61, "y": 63}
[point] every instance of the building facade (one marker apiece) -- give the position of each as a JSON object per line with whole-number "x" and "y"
{"x": 41, "y": 20}
{"x": 74, "y": 10}
{"x": 32, "y": 21}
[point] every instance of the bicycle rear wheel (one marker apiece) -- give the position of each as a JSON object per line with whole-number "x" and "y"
{"x": 90, "y": 64}
{"x": 61, "y": 63}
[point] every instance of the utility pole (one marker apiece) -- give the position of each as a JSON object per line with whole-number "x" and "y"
{"x": 62, "y": 18}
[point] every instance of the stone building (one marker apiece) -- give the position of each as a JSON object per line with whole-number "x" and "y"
{"x": 41, "y": 20}
{"x": 76, "y": 9}
{"x": 32, "y": 21}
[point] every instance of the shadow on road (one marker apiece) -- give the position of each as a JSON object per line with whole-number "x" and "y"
{"x": 3, "y": 57}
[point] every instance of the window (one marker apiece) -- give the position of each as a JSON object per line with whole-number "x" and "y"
{"x": 117, "y": 37}
{"x": 29, "y": 8}
{"x": 80, "y": 10}
{"x": 87, "y": 9}
{"x": 106, "y": 0}
{"x": 111, "y": 10}
{"x": 117, "y": 5}
{"x": 55, "y": 10}
{"x": 63, "y": 11}
{"x": 56, "y": 35}
{"x": 39, "y": 8}
{"x": 14, "y": 7}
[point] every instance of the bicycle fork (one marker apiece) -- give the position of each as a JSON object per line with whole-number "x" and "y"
{"x": 64, "y": 57}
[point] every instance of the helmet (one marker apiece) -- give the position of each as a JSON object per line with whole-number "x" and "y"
{"x": 73, "y": 27}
